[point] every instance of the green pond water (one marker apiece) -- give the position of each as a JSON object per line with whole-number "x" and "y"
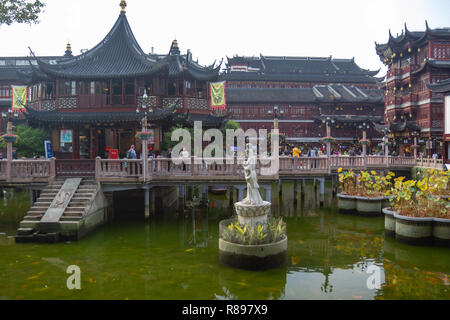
{"x": 175, "y": 256}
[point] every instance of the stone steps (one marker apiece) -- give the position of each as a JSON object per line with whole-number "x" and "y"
{"x": 81, "y": 198}
{"x": 75, "y": 209}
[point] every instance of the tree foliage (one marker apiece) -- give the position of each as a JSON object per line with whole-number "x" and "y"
{"x": 21, "y": 11}
{"x": 167, "y": 137}
{"x": 231, "y": 125}
{"x": 30, "y": 141}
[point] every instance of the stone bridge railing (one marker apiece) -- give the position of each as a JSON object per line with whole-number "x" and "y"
{"x": 163, "y": 169}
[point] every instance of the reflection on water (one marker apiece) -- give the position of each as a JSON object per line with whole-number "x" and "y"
{"x": 175, "y": 256}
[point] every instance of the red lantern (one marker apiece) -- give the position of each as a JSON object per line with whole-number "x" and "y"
{"x": 150, "y": 148}
{"x": 107, "y": 149}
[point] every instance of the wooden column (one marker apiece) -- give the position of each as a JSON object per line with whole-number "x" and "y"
{"x": 91, "y": 140}
{"x": 110, "y": 92}
{"x": 155, "y": 86}
{"x": 76, "y": 143}
{"x": 114, "y": 138}
{"x": 135, "y": 92}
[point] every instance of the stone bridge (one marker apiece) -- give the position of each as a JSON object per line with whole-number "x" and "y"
{"x": 156, "y": 171}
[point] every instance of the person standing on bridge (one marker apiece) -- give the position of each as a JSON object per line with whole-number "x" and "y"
{"x": 131, "y": 154}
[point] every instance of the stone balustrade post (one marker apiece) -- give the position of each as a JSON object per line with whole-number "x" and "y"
{"x": 97, "y": 168}
{"x": 53, "y": 169}
{"x": 365, "y": 149}
{"x": 150, "y": 169}
{"x": 144, "y": 159}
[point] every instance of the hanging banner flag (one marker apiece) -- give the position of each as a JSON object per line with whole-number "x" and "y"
{"x": 218, "y": 101}
{"x": 19, "y": 98}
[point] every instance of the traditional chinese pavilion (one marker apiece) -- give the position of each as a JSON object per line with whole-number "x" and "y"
{"x": 415, "y": 59}
{"x": 96, "y": 101}
{"x": 302, "y": 92}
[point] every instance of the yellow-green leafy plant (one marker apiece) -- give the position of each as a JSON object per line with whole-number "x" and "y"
{"x": 347, "y": 182}
{"x": 366, "y": 184}
{"x": 420, "y": 198}
{"x": 274, "y": 231}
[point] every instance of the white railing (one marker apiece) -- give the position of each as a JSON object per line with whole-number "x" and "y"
{"x": 430, "y": 163}
{"x": 118, "y": 169}
{"x": 159, "y": 168}
{"x": 29, "y": 168}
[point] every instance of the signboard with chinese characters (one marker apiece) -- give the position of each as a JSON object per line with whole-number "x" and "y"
{"x": 114, "y": 154}
{"x": 66, "y": 136}
{"x": 151, "y": 139}
{"x": 48, "y": 150}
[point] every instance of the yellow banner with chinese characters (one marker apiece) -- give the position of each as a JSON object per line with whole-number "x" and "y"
{"x": 19, "y": 98}
{"x": 218, "y": 100}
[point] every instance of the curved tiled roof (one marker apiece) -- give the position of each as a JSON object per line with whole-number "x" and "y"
{"x": 117, "y": 55}
{"x": 398, "y": 127}
{"x": 306, "y": 69}
{"x": 330, "y": 93}
{"x": 440, "y": 86}
{"x": 413, "y": 38}
{"x": 351, "y": 118}
{"x": 86, "y": 117}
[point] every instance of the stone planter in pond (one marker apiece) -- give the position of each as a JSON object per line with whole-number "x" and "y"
{"x": 253, "y": 257}
{"x": 369, "y": 206}
{"x": 389, "y": 222}
{"x": 346, "y": 204}
{"x": 386, "y": 203}
{"x": 441, "y": 231}
{"x": 413, "y": 230}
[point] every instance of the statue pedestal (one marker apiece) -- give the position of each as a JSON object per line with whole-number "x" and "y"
{"x": 252, "y": 215}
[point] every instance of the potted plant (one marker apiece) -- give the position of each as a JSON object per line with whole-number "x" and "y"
{"x": 364, "y": 193}
{"x": 371, "y": 197}
{"x": 421, "y": 215}
{"x": 253, "y": 247}
{"x": 347, "y": 196}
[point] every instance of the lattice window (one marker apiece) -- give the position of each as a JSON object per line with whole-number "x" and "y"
{"x": 436, "y": 124}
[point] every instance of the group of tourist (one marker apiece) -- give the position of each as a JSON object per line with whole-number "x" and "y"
{"x": 294, "y": 151}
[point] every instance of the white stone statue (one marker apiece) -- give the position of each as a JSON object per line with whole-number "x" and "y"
{"x": 253, "y": 196}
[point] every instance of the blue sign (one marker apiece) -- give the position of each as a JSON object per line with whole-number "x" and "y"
{"x": 48, "y": 150}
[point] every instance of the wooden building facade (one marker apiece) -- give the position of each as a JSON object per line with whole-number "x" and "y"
{"x": 415, "y": 59}
{"x": 300, "y": 92}
{"x": 95, "y": 102}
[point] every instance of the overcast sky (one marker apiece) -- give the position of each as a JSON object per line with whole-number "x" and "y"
{"x": 216, "y": 29}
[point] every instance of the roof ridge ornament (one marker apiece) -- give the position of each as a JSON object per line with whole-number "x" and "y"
{"x": 123, "y": 5}
{"x": 68, "y": 52}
